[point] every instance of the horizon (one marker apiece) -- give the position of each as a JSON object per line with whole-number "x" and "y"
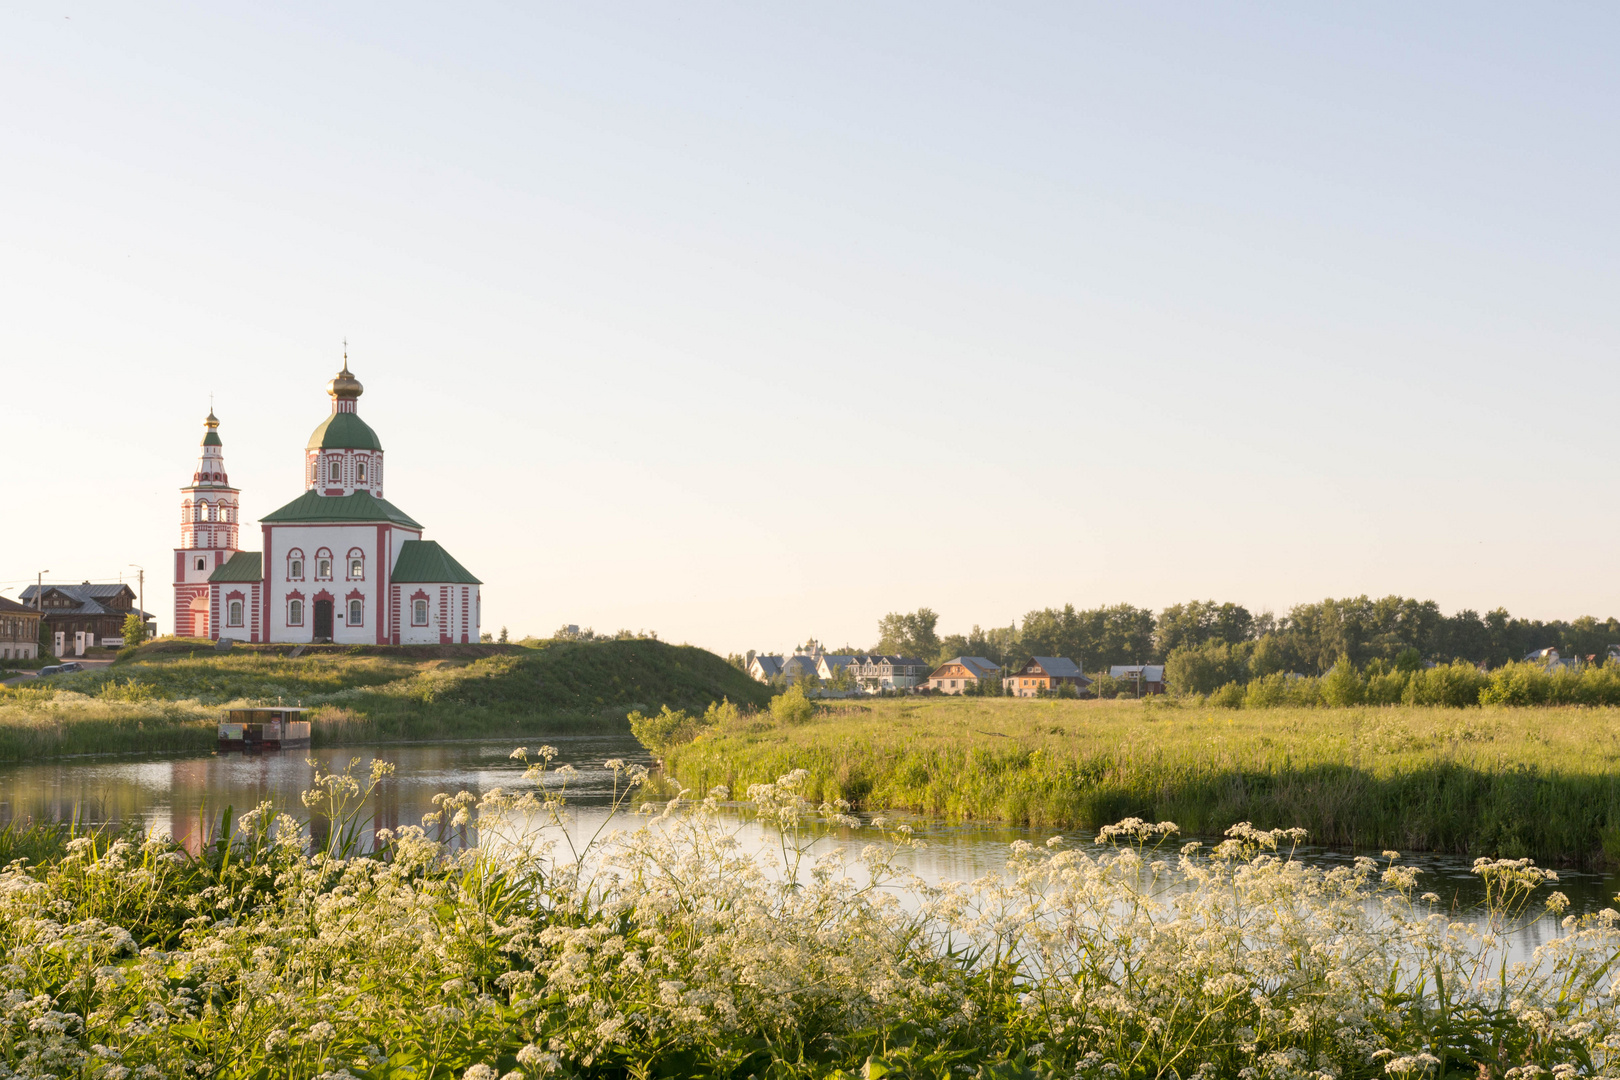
{"x": 747, "y": 326}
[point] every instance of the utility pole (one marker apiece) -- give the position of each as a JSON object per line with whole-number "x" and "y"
{"x": 39, "y": 589}
{"x": 142, "y": 579}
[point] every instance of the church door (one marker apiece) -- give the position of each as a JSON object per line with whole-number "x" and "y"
{"x": 323, "y": 620}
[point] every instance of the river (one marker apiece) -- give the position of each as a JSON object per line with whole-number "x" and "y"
{"x": 185, "y": 796}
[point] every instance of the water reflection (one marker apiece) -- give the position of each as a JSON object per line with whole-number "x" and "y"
{"x": 185, "y": 796}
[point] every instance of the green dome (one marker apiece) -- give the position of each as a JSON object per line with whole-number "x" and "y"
{"x": 344, "y": 431}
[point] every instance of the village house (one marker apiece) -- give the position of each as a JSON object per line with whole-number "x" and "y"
{"x": 765, "y": 668}
{"x": 73, "y": 610}
{"x": 961, "y": 674}
{"x": 874, "y": 674}
{"x": 829, "y": 666}
{"x": 799, "y": 665}
{"x": 1046, "y": 673}
{"x": 1143, "y": 678}
{"x": 19, "y": 631}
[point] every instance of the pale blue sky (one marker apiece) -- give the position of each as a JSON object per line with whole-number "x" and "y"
{"x": 745, "y": 323}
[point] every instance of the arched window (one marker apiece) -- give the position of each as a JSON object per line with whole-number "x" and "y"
{"x": 419, "y": 613}
{"x": 233, "y": 615}
{"x": 359, "y": 472}
{"x": 295, "y": 613}
{"x": 202, "y": 564}
{"x": 357, "y": 565}
{"x": 202, "y": 510}
{"x": 295, "y": 564}
{"x": 335, "y": 472}
{"x": 323, "y": 565}
{"x": 357, "y": 612}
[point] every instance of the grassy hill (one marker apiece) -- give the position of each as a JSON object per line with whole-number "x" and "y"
{"x": 168, "y": 696}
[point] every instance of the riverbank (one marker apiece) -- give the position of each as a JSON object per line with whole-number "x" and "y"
{"x": 685, "y": 955}
{"x": 168, "y": 697}
{"x": 1538, "y": 782}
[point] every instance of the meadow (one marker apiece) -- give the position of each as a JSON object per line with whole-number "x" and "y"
{"x": 675, "y": 953}
{"x": 1522, "y": 781}
{"x": 169, "y": 696}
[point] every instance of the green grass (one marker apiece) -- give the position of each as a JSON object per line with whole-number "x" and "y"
{"x": 1542, "y": 782}
{"x": 168, "y": 696}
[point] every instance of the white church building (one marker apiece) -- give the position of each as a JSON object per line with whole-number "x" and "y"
{"x": 339, "y": 563}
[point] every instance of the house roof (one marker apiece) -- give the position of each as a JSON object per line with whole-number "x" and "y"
{"x": 244, "y": 566}
{"x": 769, "y": 665}
{"x": 343, "y": 431}
{"x": 8, "y": 604}
{"x": 1060, "y": 666}
{"x": 361, "y": 506}
{"x": 798, "y": 662}
{"x": 1150, "y": 672}
{"x": 836, "y": 661}
{"x": 425, "y": 561}
{"x": 980, "y": 666}
{"x": 92, "y": 599}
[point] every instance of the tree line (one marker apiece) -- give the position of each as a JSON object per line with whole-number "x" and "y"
{"x": 1232, "y": 644}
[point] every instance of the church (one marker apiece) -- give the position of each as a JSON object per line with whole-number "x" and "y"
{"x": 339, "y": 564}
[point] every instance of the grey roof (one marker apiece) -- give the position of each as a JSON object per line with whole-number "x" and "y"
{"x": 1060, "y": 666}
{"x": 980, "y": 667}
{"x": 1150, "y": 672}
{"x": 769, "y": 666}
{"x": 837, "y": 661}
{"x": 88, "y": 596}
{"x": 799, "y": 662}
{"x": 8, "y": 604}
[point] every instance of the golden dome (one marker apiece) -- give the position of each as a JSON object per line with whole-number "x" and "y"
{"x": 345, "y": 385}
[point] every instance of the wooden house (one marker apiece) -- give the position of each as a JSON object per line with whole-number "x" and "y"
{"x": 19, "y": 631}
{"x": 1046, "y": 673}
{"x": 961, "y": 674}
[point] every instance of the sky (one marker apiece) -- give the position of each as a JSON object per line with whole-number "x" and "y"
{"x": 746, "y": 323}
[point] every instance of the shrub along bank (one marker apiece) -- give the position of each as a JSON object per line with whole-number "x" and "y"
{"x": 169, "y": 696}
{"x": 1535, "y": 781}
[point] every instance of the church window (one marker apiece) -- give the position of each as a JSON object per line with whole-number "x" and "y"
{"x": 360, "y": 472}
{"x": 335, "y": 474}
{"x": 419, "y": 613}
{"x": 323, "y": 568}
{"x": 202, "y": 564}
{"x": 295, "y": 613}
{"x": 357, "y": 565}
{"x": 234, "y": 614}
{"x": 202, "y": 510}
{"x": 356, "y": 612}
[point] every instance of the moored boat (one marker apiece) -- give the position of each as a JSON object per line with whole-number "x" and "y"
{"x": 280, "y": 727}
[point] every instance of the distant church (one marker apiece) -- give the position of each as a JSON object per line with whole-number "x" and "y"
{"x": 340, "y": 563}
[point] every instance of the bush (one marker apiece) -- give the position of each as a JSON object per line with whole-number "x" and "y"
{"x": 1387, "y": 687}
{"x": 1104, "y": 685}
{"x": 1230, "y": 696}
{"x": 676, "y": 727}
{"x": 1266, "y": 691}
{"x": 1343, "y": 686}
{"x": 1201, "y": 670}
{"x": 1457, "y": 685}
{"x": 792, "y": 707}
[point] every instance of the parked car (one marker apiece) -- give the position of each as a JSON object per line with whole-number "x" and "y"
{"x": 60, "y": 669}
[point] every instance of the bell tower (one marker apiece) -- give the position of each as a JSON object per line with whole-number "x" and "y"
{"x": 209, "y": 523}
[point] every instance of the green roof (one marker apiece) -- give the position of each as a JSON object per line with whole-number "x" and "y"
{"x": 243, "y": 566}
{"x": 361, "y": 506}
{"x": 425, "y": 562}
{"x": 344, "y": 431}
{"x": 212, "y": 438}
